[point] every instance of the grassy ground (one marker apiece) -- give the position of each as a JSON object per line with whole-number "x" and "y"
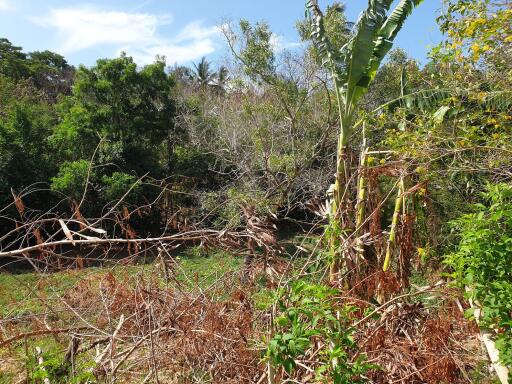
{"x": 25, "y": 293}
{"x": 24, "y": 296}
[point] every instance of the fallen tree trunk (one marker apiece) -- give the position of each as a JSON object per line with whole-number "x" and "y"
{"x": 198, "y": 235}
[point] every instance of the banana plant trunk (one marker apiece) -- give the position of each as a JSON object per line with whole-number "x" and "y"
{"x": 361, "y": 198}
{"x": 340, "y": 185}
{"x": 399, "y": 203}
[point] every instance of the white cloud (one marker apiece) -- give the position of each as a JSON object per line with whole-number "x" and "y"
{"x": 84, "y": 27}
{"x": 137, "y": 34}
{"x": 191, "y": 43}
{"x": 196, "y": 31}
{"x": 173, "y": 53}
{"x": 280, "y": 43}
{"x": 6, "y": 5}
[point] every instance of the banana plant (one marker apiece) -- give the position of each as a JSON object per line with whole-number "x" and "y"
{"x": 354, "y": 66}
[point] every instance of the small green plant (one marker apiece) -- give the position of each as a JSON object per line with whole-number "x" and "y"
{"x": 56, "y": 370}
{"x": 483, "y": 263}
{"x": 311, "y": 321}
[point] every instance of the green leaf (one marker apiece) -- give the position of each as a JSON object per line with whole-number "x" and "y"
{"x": 440, "y": 113}
{"x": 289, "y": 365}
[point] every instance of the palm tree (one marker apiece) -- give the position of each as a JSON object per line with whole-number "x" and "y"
{"x": 205, "y": 77}
{"x": 353, "y": 67}
{"x": 221, "y": 79}
{"x": 202, "y": 74}
{"x": 222, "y": 76}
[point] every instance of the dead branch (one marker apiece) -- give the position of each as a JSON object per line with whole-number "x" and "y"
{"x": 40, "y": 332}
{"x": 180, "y": 237}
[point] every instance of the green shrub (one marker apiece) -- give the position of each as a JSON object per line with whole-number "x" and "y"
{"x": 56, "y": 370}
{"x": 311, "y": 316}
{"x": 483, "y": 263}
{"x": 192, "y": 162}
{"x": 116, "y": 185}
{"x": 72, "y": 179}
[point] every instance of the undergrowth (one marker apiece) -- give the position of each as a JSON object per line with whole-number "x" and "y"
{"x": 482, "y": 264}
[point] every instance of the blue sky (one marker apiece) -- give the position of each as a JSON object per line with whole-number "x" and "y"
{"x": 183, "y": 31}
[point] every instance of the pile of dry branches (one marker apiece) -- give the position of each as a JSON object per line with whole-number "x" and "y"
{"x": 413, "y": 342}
{"x": 131, "y": 329}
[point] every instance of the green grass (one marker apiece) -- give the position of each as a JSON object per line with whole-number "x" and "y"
{"x": 26, "y": 293}
{"x": 198, "y": 269}
{"x": 23, "y": 363}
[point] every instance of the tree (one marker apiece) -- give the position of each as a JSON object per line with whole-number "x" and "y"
{"x": 353, "y": 68}
{"x": 221, "y": 79}
{"x": 268, "y": 133}
{"x": 13, "y": 62}
{"x": 203, "y": 75}
{"x": 25, "y": 157}
{"x": 131, "y": 109}
{"x": 51, "y": 73}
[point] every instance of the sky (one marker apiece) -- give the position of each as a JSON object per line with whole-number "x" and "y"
{"x": 181, "y": 30}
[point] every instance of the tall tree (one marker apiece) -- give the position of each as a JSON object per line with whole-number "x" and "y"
{"x": 353, "y": 68}
{"x": 132, "y": 109}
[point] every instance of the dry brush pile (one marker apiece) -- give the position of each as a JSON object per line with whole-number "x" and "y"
{"x": 134, "y": 329}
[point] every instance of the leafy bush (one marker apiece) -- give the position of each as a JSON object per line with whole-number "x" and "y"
{"x": 483, "y": 262}
{"x": 55, "y": 369}
{"x": 311, "y": 318}
{"x": 72, "y": 179}
{"x": 192, "y": 162}
{"x": 116, "y": 185}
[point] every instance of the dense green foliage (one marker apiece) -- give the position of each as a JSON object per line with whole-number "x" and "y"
{"x": 92, "y": 140}
{"x": 483, "y": 262}
{"x": 130, "y": 109}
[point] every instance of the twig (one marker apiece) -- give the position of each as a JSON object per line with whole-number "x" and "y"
{"x": 39, "y": 333}
{"x": 100, "y": 357}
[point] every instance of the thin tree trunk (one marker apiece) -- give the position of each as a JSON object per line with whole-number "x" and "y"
{"x": 361, "y": 198}
{"x": 340, "y": 184}
{"x": 394, "y": 225}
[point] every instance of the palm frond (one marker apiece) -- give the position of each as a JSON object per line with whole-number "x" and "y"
{"x": 355, "y": 65}
{"x": 430, "y": 100}
{"x": 425, "y": 99}
{"x": 330, "y": 56}
{"x": 498, "y": 100}
{"x": 203, "y": 74}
